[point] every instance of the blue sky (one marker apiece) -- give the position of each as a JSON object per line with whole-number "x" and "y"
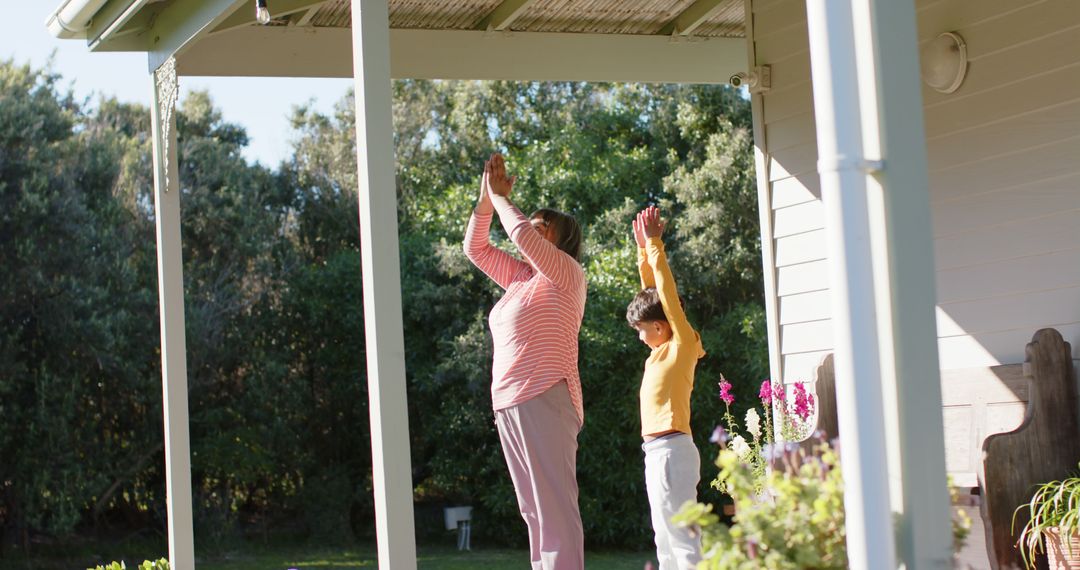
{"x": 261, "y": 105}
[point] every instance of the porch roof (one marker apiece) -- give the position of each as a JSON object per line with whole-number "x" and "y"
{"x": 865, "y": 71}
{"x": 678, "y": 41}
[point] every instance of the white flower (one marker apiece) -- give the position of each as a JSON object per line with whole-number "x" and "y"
{"x": 740, "y": 447}
{"x": 753, "y": 423}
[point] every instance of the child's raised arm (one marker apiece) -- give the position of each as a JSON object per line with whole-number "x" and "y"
{"x": 644, "y": 270}
{"x": 653, "y": 228}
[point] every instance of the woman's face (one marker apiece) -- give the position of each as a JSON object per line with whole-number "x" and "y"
{"x": 544, "y": 228}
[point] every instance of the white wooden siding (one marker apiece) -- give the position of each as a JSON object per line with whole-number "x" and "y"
{"x": 799, "y": 161}
{"x": 1004, "y": 157}
{"x": 803, "y": 315}
{"x": 1010, "y": 196}
{"x": 1012, "y": 239}
{"x": 813, "y": 336}
{"x": 1008, "y": 278}
{"x": 800, "y": 367}
{"x": 798, "y": 219}
{"x": 800, "y": 248}
{"x": 804, "y": 307}
{"x": 801, "y": 278}
{"x": 794, "y": 190}
{"x": 1028, "y": 310}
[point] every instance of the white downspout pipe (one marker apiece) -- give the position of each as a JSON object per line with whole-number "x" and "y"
{"x": 886, "y": 39}
{"x": 72, "y": 18}
{"x": 842, "y": 168}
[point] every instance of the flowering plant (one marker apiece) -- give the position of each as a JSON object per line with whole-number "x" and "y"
{"x": 795, "y": 421}
{"x": 789, "y": 498}
{"x": 799, "y": 524}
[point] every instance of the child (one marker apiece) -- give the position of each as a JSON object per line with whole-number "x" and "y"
{"x": 672, "y": 464}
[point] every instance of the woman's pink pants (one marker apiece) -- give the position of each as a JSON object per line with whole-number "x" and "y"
{"x": 539, "y": 441}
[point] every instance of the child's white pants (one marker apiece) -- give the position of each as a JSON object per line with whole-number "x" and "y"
{"x": 672, "y": 472}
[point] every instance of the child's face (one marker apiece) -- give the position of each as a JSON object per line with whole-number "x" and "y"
{"x": 653, "y": 333}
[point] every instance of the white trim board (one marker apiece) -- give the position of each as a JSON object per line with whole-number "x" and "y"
{"x": 438, "y": 54}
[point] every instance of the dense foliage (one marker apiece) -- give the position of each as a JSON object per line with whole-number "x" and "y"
{"x": 795, "y": 522}
{"x": 278, "y": 405}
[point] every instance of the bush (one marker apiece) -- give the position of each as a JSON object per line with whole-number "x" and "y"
{"x": 796, "y": 522}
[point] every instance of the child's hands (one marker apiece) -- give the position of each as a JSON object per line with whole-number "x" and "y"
{"x": 639, "y": 231}
{"x": 651, "y": 224}
{"x": 495, "y": 174}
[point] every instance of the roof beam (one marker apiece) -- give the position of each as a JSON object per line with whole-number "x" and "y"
{"x": 305, "y": 19}
{"x": 113, "y": 16}
{"x": 693, "y": 16}
{"x": 504, "y": 14}
{"x": 138, "y": 23}
{"x": 278, "y": 8}
{"x": 181, "y": 23}
{"x": 281, "y": 51}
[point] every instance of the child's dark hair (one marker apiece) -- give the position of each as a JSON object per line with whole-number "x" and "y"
{"x": 566, "y": 228}
{"x": 645, "y": 307}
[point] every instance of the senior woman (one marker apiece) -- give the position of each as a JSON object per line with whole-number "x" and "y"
{"x": 535, "y": 388}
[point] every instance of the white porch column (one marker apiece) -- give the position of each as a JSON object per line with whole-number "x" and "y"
{"x": 171, "y": 307}
{"x": 843, "y": 168}
{"x": 892, "y": 117}
{"x": 382, "y": 286}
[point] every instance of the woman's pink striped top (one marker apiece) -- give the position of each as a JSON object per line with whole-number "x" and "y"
{"x": 535, "y": 325}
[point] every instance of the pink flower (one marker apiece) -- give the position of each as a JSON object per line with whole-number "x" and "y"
{"x": 765, "y": 394}
{"x": 725, "y": 391}
{"x": 779, "y": 394}
{"x": 803, "y": 401}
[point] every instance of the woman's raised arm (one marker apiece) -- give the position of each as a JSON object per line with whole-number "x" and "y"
{"x": 551, "y": 262}
{"x": 494, "y": 262}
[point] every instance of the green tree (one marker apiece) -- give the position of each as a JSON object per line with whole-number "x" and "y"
{"x": 274, "y": 310}
{"x": 77, "y": 306}
{"x": 599, "y": 152}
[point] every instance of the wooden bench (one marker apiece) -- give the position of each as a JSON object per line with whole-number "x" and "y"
{"x": 1007, "y": 429}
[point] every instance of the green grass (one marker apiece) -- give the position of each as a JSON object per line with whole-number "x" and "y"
{"x": 282, "y": 557}
{"x": 427, "y": 559}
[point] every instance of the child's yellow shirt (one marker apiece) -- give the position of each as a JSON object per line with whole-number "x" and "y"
{"x": 669, "y": 371}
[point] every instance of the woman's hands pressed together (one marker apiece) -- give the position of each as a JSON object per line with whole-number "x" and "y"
{"x": 497, "y": 182}
{"x": 494, "y": 182}
{"x": 483, "y": 202}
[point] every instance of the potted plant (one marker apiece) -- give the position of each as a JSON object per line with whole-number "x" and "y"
{"x": 1053, "y": 524}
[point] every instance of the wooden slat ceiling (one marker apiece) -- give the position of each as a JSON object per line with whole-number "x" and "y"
{"x": 635, "y": 17}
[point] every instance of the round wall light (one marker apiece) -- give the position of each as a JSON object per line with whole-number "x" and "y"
{"x": 944, "y": 62}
